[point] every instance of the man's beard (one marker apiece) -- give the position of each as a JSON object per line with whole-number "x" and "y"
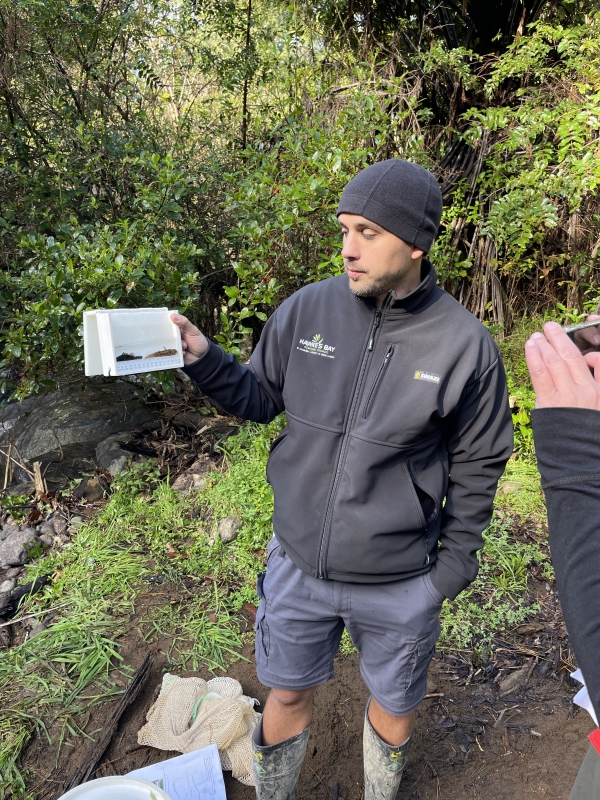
{"x": 372, "y": 288}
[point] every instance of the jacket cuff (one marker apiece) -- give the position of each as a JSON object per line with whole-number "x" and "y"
{"x": 567, "y": 443}
{"x": 205, "y": 366}
{"x": 448, "y": 582}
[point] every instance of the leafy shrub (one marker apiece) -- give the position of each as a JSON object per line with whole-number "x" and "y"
{"x": 283, "y": 205}
{"x": 146, "y": 260}
{"x": 122, "y": 180}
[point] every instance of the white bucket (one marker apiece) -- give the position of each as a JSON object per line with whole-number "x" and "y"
{"x": 117, "y": 788}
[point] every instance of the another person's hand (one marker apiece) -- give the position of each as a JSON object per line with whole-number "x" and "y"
{"x": 560, "y": 373}
{"x": 193, "y": 342}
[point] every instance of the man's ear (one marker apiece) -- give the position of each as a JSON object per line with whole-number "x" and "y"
{"x": 416, "y": 254}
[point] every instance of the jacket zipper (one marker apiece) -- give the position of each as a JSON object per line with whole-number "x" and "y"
{"x": 322, "y": 553}
{"x": 378, "y": 380}
{"x": 427, "y": 552}
{"x": 374, "y": 330}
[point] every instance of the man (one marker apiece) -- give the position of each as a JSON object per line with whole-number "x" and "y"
{"x": 396, "y": 402}
{"x": 566, "y": 427}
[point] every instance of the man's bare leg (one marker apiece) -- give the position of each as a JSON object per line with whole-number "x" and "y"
{"x": 286, "y": 714}
{"x": 393, "y": 730}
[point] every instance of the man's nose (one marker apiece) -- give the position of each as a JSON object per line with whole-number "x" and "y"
{"x": 350, "y": 249}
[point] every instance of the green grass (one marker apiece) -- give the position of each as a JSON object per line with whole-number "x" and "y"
{"x": 347, "y": 645}
{"x": 512, "y": 349}
{"x": 497, "y": 599}
{"x": 196, "y": 639}
{"x": 242, "y": 491}
{"x": 520, "y": 490}
{"x": 48, "y": 683}
{"x": 520, "y": 390}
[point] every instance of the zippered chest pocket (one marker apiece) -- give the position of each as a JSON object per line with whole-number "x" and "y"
{"x": 379, "y": 376}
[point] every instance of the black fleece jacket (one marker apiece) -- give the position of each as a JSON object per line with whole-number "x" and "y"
{"x": 567, "y": 444}
{"x": 389, "y": 413}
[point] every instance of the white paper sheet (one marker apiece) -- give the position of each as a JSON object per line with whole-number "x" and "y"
{"x": 582, "y": 698}
{"x": 192, "y": 776}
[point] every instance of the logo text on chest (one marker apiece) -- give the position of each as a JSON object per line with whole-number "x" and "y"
{"x": 431, "y": 377}
{"x": 316, "y": 346}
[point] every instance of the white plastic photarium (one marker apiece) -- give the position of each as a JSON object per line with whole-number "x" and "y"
{"x": 117, "y": 788}
{"x": 127, "y": 341}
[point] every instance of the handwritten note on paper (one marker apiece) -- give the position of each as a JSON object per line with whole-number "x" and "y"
{"x": 582, "y": 698}
{"x": 192, "y": 776}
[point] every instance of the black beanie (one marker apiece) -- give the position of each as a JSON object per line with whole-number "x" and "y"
{"x": 400, "y": 196}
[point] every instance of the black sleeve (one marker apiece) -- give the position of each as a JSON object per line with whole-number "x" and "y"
{"x": 251, "y": 392}
{"x": 567, "y": 442}
{"x": 480, "y": 444}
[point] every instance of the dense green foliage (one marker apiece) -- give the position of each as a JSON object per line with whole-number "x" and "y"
{"x": 192, "y": 155}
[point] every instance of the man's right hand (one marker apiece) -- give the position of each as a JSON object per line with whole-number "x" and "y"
{"x": 193, "y": 342}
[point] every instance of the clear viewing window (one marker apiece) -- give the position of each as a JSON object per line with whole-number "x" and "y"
{"x": 129, "y": 341}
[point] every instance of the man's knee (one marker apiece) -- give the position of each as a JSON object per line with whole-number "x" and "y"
{"x": 292, "y": 699}
{"x": 287, "y": 713}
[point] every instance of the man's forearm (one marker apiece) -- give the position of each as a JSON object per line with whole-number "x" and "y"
{"x": 234, "y": 386}
{"x": 468, "y": 510}
{"x": 479, "y": 446}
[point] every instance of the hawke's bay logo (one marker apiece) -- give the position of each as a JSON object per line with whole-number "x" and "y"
{"x": 316, "y": 346}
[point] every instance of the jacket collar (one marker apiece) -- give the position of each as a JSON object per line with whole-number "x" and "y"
{"x": 419, "y": 296}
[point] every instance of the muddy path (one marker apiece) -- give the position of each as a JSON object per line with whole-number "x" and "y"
{"x": 461, "y": 749}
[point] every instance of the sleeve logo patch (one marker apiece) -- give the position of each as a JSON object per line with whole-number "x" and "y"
{"x": 431, "y": 377}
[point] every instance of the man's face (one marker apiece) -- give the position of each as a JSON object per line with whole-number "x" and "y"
{"x": 376, "y": 260}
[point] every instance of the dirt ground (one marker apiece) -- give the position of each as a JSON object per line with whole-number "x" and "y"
{"x": 469, "y": 741}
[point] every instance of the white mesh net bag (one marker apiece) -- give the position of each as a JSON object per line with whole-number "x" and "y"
{"x": 191, "y": 713}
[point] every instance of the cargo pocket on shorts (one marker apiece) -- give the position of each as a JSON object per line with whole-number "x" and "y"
{"x": 262, "y": 639}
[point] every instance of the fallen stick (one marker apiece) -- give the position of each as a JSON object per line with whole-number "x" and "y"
{"x": 98, "y": 748}
{"x": 38, "y": 479}
{"x": 7, "y": 470}
{"x": 18, "y": 463}
{"x": 501, "y": 715}
{"x": 127, "y": 753}
{"x": 35, "y": 614}
{"x": 316, "y": 776}
{"x": 15, "y": 597}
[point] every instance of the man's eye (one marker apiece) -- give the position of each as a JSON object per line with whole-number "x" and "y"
{"x": 368, "y": 235}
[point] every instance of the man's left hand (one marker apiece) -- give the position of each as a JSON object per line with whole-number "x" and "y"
{"x": 560, "y": 375}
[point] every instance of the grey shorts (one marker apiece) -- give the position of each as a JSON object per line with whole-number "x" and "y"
{"x": 300, "y": 620}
